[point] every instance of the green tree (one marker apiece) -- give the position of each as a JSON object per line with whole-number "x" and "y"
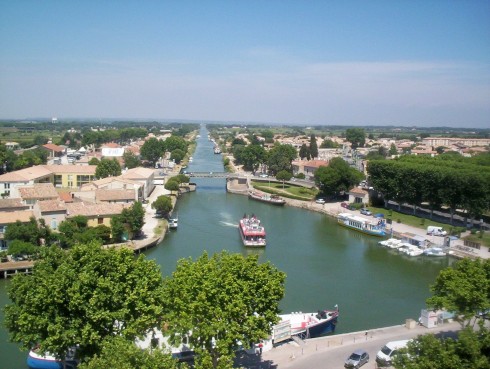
{"x": 469, "y": 351}
{"x": 82, "y": 297}
{"x": 34, "y": 232}
{"x": 162, "y": 205}
{"x": 281, "y": 158}
{"x": 252, "y": 156}
{"x": 313, "y": 148}
{"x": 94, "y": 161}
{"x": 304, "y": 152}
{"x": 283, "y": 176}
{"x": 152, "y": 150}
{"x": 118, "y": 229}
{"x": 131, "y": 160}
{"x": 120, "y": 353}
{"x": 329, "y": 144}
{"x": 177, "y": 155}
{"x": 18, "y": 247}
{"x": 393, "y": 150}
{"x": 108, "y": 168}
{"x": 173, "y": 143}
{"x": 222, "y": 300}
{"x": 172, "y": 185}
{"x": 337, "y": 177}
{"x": 463, "y": 288}
{"x": 356, "y": 136}
{"x": 134, "y": 218}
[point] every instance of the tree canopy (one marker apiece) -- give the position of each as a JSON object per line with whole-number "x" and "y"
{"x": 281, "y": 157}
{"x": 356, "y": 136}
{"x": 222, "y": 299}
{"x": 463, "y": 288}
{"x": 338, "y": 176}
{"x": 107, "y": 168}
{"x": 82, "y": 297}
{"x": 152, "y": 150}
{"x": 162, "y": 205}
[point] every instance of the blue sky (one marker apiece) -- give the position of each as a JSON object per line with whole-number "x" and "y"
{"x": 424, "y": 63}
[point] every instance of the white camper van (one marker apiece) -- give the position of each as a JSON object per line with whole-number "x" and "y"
{"x": 385, "y": 355}
{"x": 436, "y": 231}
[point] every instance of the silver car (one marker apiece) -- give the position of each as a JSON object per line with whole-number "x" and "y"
{"x": 357, "y": 359}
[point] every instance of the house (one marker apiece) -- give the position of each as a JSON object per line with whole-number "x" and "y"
{"x": 358, "y": 195}
{"x": 11, "y": 217}
{"x": 308, "y": 167}
{"x": 12, "y": 205}
{"x": 115, "y": 196}
{"x": 37, "y": 192}
{"x": 52, "y": 211}
{"x": 68, "y": 176}
{"x": 143, "y": 176}
{"x": 113, "y": 183}
{"x": 54, "y": 151}
{"x": 10, "y": 181}
{"x": 97, "y": 214}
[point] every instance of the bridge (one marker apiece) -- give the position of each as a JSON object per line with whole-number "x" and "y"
{"x": 215, "y": 175}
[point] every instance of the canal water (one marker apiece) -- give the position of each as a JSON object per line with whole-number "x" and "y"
{"x": 325, "y": 264}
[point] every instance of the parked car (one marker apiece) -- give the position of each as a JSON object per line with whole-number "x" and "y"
{"x": 344, "y": 205}
{"x": 263, "y": 175}
{"x": 385, "y": 356}
{"x": 357, "y": 359}
{"x": 320, "y": 201}
{"x": 365, "y": 211}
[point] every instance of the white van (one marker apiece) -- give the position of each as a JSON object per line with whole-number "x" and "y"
{"x": 436, "y": 231}
{"x": 385, "y": 355}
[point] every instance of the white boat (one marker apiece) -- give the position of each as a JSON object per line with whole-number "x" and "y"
{"x": 173, "y": 222}
{"x": 367, "y": 226}
{"x": 392, "y": 243}
{"x": 435, "y": 251}
{"x": 305, "y": 325}
{"x": 410, "y": 250}
{"x": 35, "y": 360}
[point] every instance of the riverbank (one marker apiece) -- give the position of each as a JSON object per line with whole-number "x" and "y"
{"x": 457, "y": 248}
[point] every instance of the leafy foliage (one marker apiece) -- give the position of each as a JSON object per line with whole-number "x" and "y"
{"x": 123, "y": 354}
{"x": 356, "y": 136}
{"x": 337, "y": 177}
{"x": 152, "y": 150}
{"x": 82, "y": 297}
{"x": 463, "y": 288}
{"x": 131, "y": 160}
{"x": 281, "y": 157}
{"x": 34, "y": 232}
{"x": 223, "y": 300}
{"x": 108, "y": 168}
{"x": 162, "y": 205}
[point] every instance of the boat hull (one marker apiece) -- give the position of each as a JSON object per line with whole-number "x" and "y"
{"x": 268, "y": 200}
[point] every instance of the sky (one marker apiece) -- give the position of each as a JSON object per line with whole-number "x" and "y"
{"x": 408, "y": 63}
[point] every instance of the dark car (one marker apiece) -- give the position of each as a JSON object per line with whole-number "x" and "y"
{"x": 344, "y": 205}
{"x": 357, "y": 359}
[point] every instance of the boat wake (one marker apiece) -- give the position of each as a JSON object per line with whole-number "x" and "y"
{"x": 228, "y": 224}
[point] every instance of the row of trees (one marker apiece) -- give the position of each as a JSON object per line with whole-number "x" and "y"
{"x": 253, "y": 156}
{"x": 153, "y": 149}
{"x": 456, "y": 183}
{"x": 10, "y": 161}
{"x": 101, "y": 300}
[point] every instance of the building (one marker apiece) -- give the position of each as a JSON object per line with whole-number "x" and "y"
{"x": 97, "y": 214}
{"x": 308, "y": 167}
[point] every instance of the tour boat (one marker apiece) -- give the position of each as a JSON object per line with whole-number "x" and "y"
{"x": 251, "y": 231}
{"x": 374, "y": 228}
{"x": 266, "y": 197}
{"x": 305, "y": 325}
{"x": 36, "y": 360}
{"x": 217, "y": 150}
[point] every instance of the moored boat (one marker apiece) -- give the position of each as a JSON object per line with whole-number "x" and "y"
{"x": 266, "y": 197}
{"x": 173, "y": 222}
{"x": 410, "y": 250}
{"x": 374, "y": 228}
{"x": 306, "y": 325}
{"x": 35, "y": 360}
{"x": 435, "y": 251}
{"x": 251, "y": 231}
{"x": 217, "y": 150}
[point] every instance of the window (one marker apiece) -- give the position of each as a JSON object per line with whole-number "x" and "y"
{"x": 58, "y": 180}
{"x": 82, "y": 179}
{"x": 54, "y": 223}
{"x": 100, "y": 220}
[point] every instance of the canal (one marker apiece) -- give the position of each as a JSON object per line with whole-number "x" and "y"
{"x": 325, "y": 264}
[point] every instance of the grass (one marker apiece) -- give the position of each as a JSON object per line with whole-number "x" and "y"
{"x": 286, "y": 190}
{"x": 423, "y": 223}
